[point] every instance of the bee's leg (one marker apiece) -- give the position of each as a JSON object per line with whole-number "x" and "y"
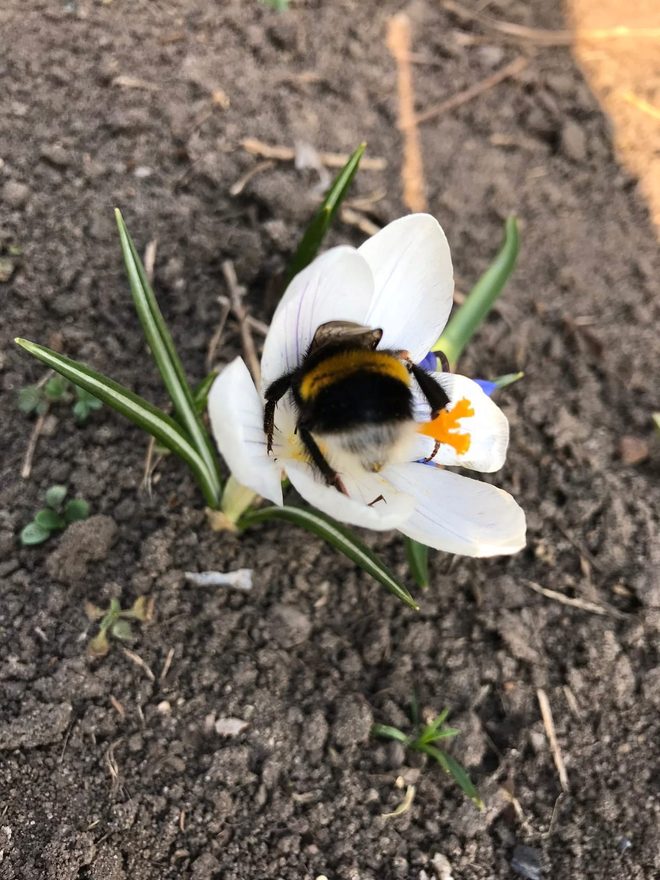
{"x": 274, "y": 393}
{"x": 436, "y": 447}
{"x": 331, "y": 476}
{"x": 432, "y": 391}
{"x": 376, "y": 500}
{"x": 444, "y": 361}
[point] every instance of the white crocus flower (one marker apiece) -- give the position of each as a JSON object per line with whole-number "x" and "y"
{"x": 401, "y": 281}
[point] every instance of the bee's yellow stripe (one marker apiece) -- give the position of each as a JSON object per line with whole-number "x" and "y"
{"x": 340, "y": 366}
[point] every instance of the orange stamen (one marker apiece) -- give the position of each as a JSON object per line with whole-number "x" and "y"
{"x": 446, "y": 429}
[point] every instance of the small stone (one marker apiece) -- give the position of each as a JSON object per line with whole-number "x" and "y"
{"x": 289, "y": 626}
{"x": 15, "y": 194}
{"x": 442, "y": 867}
{"x": 526, "y": 862}
{"x": 83, "y": 542}
{"x": 574, "y": 141}
{"x": 353, "y": 723}
{"x": 56, "y": 155}
{"x": 206, "y": 867}
{"x": 633, "y": 450}
{"x": 44, "y": 724}
{"x": 230, "y": 726}
{"x": 108, "y": 864}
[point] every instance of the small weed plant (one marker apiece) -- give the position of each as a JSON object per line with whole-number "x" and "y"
{"x": 54, "y": 517}
{"x": 37, "y": 399}
{"x": 429, "y": 740}
{"x": 115, "y": 622}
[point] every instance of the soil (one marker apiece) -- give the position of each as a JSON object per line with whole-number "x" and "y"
{"x": 131, "y": 766}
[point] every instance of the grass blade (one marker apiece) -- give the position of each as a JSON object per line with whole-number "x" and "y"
{"x": 339, "y": 537}
{"x": 135, "y": 408}
{"x": 388, "y": 732}
{"x": 418, "y": 561}
{"x": 467, "y": 320}
{"x": 201, "y": 391}
{"x": 457, "y": 772}
{"x": 315, "y": 232}
{"x": 166, "y": 357}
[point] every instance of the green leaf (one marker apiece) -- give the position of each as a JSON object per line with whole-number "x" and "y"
{"x": 138, "y": 410}
{"x": 468, "y": 318}
{"x": 418, "y": 561}
{"x": 29, "y": 399}
{"x": 339, "y": 537}
{"x": 457, "y": 772}
{"x": 122, "y": 630}
{"x": 320, "y": 223}
{"x": 388, "y": 732}
{"x": 656, "y": 420}
{"x": 201, "y": 391}
{"x": 167, "y": 359}
{"x": 429, "y": 733}
{"x": 33, "y": 534}
{"x": 55, "y": 388}
{"x": 49, "y": 520}
{"x": 99, "y": 645}
{"x": 55, "y": 495}
{"x": 85, "y": 405}
{"x": 75, "y": 510}
{"x": 507, "y": 379}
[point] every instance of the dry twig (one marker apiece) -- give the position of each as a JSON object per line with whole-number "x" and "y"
{"x": 549, "y": 724}
{"x": 26, "y": 468}
{"x": 237, "y": 188}
{"x": 166, "y": 665}
{"x": 582, "y": 604}
{"x": 288, "y": 154}
{"x": 543, "y": 36}
{"x": 214, "y": 342}
{"x": 138, "y": 661}
{"x": 150, "y": 259}
{"x": 355, "y": 218}
{"x": 509, "y": 70}
{"x": 236, "y": 293}
{"x": 412, "y": 172}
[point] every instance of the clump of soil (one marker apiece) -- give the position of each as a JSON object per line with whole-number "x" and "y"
{"x": 139, "y": 768}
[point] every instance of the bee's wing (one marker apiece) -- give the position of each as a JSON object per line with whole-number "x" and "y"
{"x": 346, "y": 331}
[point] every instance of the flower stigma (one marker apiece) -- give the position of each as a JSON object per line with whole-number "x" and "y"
{"x": 445, "y": 427}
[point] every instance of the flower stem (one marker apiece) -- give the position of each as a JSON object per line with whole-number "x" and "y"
{"x": 469, "y": 317}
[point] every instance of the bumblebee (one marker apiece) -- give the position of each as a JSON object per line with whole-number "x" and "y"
{"x": 352, "y": 399}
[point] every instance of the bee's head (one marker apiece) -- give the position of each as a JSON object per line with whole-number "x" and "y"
{"x": 346, "y": 333}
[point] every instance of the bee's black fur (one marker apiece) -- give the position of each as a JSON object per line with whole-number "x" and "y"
{"x": 363, "y": 398}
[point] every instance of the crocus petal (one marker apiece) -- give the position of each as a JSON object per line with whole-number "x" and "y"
{"x": 237, "y": 416}
{"x": 472, "y": 430}
{"x": 387, "y": 513}
{"x": 487, "y": 386}
{"x": 337, "y": 286}
{"x": 414, "y": 283}
{"x": 457, "y": 514}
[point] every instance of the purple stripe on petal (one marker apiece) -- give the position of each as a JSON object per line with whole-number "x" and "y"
{"x": 487, "y": 386}
{"x": 430, "y": 362}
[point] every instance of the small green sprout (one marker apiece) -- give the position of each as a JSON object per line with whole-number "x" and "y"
{"x": 84, "y": 405}
{"x": 115, "y": 622}
{"x": 425, "y": 739}
{"x": 277, "y": 5}
{"x": 55, "y": 517}
{"x": 38, "y": 398}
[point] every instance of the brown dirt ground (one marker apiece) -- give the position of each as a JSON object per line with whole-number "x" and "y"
{"x": 110, "y": 772}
